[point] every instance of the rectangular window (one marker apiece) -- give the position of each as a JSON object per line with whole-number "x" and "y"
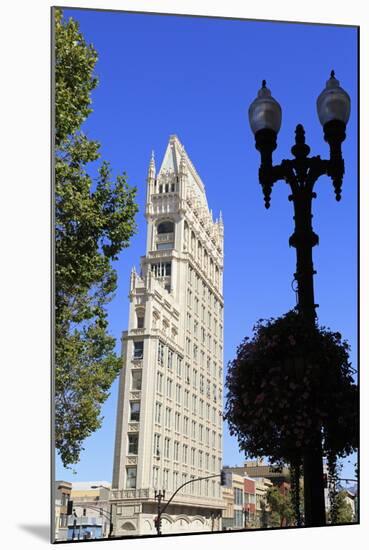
{"x": 179, "y": 366}
{"x": 176, "y": 451}
{"x": 170, "y": 359}
{"x": 178, "y": 393}
{"x": 185, "y": 425}
{"x": 132, "y": 444}
{"x": 187, "y": 373}
{"x": 165, "y": 479}
{"x": 192, "y": 456}
{"x": 184, "y": 480}
{"x": 169, "y": 387}
{"x": 185, "y": 447}
{"x": 168, "y": 413}
{"x": 159, "y": 382}
{"x": 155, "y": 477}
{"x": 186, "y": 397}
{"x": 177, "y": 420}
{"x": 188, "y": 346}
{"x": 158, "y": 412}
{"x": 200, "y": 459}
{"x": 166, "y": 447}
{"x": 160, "y": 353}
{"x": 135, "y": 411}
{"x": 140, "y": 321}
{"x": 138, "y": 350}
{"x": 193, "y": 429}
{"x": 201, "y": 432}
{"x": 175, "y": 481}
{"x": 136, "y": 381}
{"x": 131, "y": 477}
{"x": 156, "y": 449}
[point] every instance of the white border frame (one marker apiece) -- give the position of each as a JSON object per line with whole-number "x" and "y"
{"x": 25, "y": 201}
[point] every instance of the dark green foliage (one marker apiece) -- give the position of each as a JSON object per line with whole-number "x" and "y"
{"x": 281, "y": 508}
{"x": 341, "y": 511}
{"x": 94, "y": 221}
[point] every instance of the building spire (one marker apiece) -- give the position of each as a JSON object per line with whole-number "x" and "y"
{"x": 152, "y": 170}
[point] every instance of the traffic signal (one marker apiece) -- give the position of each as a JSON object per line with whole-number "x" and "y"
{"x": 222, "y": 477}
{"x": 70, "y": 508}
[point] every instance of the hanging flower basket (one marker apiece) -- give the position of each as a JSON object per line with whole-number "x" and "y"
{"x": 284, "y": 383}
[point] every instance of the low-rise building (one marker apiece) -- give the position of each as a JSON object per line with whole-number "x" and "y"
{"x": 62, "y": 496}
{"x": 233, "y": 515}
{"x": 249, "y": 497}
{"x": 92, "y": 515}
{"x": 262, "y": 511}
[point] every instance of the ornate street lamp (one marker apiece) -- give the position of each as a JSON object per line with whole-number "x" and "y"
{"x": 301, "y": 173}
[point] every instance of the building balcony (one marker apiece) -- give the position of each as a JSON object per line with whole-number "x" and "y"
{"x": 165, "y": 238}
{"x": 180, "y": 498}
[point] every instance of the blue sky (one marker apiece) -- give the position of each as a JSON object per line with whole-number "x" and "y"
{"x": 195, "y": 77}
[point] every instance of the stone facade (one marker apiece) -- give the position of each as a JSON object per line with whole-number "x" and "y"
{"x": 169, "y": 423}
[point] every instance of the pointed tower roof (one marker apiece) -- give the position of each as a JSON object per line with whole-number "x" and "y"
{"x": 175, "y": 159}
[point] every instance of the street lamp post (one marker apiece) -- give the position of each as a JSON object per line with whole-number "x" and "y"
{"x": 301, "y": 173}
{"x": 159, "y": 496}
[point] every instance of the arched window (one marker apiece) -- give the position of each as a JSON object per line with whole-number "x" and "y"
{"x": 165, "y": 227}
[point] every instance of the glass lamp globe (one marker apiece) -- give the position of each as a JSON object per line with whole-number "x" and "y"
{"x": 333, "y": 103}
{"x": 265, "y": 112}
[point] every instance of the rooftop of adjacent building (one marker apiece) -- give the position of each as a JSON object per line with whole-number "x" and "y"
{"x": 89, "y": 485}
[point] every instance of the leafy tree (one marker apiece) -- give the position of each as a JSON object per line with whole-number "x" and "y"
{"x": 341, "y": 511}
{"x": 281, "y": 509}
{"x": 94, "y": 221}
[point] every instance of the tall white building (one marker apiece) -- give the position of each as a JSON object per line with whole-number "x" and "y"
{"x": 169, "y": 423}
